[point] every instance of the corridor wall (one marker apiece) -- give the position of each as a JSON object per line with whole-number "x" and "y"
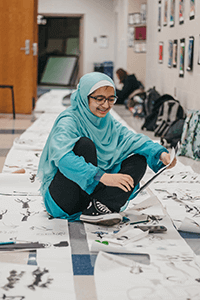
{"x": 167, "y": 79}
{"x": 136, "y": 62}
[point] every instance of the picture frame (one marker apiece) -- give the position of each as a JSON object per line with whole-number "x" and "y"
{"x": 103, "y": 41}
{"x": 140, "y": 33}
{"x": 192, "y": 9}
{"x": 190, "y": 54}
{"x": 160, "y": 52}
{"x": 182, "y": 57}
{"x": 181, "y": 11}
{"x": 170, "y": 53}
{"x": 134, "y": 18}
{"x": 131, "y": 34}
{"x": 140, "y": 47}
{"x": 172, "y": 13}
{"x": 199, "y": 52}
{"x": 174, "y": 57}
{"x": 159, "y": 15}
{"x": 60, "y": 70}
{"x": 165, "y": 13}
{"x": 143, "y": 13}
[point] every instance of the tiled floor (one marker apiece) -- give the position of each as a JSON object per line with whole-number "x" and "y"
{"x": 9, "y": 130}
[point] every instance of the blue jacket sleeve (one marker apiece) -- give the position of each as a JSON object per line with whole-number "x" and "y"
{"x": 152, "y": 152}
{"x": 74, "y": 167}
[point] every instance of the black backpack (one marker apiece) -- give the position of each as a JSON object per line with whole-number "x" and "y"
{"x": 173, "y": 134}
{"x": 169, "y": 111}
{"x": 151, "y": 96}
{"x": 150, "y": 120}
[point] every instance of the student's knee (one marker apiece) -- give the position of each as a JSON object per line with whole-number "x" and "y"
{"x": 139, "y": 167}
{"x": 86, "y": 148}
{"x": 138, "y": 162}
{"x": 142, "y": 163}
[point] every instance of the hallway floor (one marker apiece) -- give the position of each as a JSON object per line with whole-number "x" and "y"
{"x": 82, "y": 259}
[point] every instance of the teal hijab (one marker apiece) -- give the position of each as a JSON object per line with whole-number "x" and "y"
{"x": 113, "y": 142}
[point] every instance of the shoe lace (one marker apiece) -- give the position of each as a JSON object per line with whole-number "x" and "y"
{"x": 103, "y": 208}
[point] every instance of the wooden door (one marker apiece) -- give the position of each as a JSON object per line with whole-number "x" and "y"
{"x": 18, "y": 24}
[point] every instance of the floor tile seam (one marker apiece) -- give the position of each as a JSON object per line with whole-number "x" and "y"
{"x": 4, "y": 152}
{"x": 11, "y": 131}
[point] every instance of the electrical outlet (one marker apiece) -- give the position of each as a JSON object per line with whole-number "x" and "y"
{"x": 174, "y": 91}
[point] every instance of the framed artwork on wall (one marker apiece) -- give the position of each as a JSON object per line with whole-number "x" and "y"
{"x": 165, "y": 12}
{"x": 140, "y": 33}
{"x": 170, "y": 53}
{"x": 134, "y": 19}
{"x": 172, "y": 13}
{"x": 159, "y": 15}
{"x": 160, "y": 52}
{"x": 190, "y": 53}
{"x": 140, "y": 47}
{"x": 199, "y": 52}
{"x": 192, "y": 9}
{"x": 103, "y": 41}
{"x": 181, "y": 11}
{"x": 174, "y": 58}
{"x": 143, "y": 13}
{"x": 131, "y": 31}
{"x": 182, "y": 57}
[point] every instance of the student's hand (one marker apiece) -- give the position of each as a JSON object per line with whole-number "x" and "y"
{"x": 165, "y": 158}
{"x": 123, "y": 181}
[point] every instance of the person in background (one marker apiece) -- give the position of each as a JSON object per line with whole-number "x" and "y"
{"x": 91, "y": 164}
{"x": 130, "y": 84}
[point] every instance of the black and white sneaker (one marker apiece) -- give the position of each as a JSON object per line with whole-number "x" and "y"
{"x": 100, "y": 214}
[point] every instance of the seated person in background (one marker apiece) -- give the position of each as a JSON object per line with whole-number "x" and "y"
{"x": 87, "y": 168}
{"x": 130, "y": 84}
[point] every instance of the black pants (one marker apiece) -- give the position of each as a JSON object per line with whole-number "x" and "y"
{"x": 72, "y": 199}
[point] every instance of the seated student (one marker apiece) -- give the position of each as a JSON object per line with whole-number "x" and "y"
{"x": 130, "y": 84}
{"x": 91, "y": 163}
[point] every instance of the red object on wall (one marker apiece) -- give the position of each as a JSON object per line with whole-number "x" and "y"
{"x": 160, "y": 52}
{"x": 140, "y": 33}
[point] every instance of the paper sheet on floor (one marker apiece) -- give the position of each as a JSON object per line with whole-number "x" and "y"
{"x": 43, "y": 281}
{"x": 21, "y": 159}
{"x": 178, "y": 191}
{"x": 175, "y": 276}
{"x": 96, "y": 235}
{"x": 18, "y": 184}
{"x": 24, "y": 221}
{"x": 52, "y": 101}
{"x": 44, "y": 122}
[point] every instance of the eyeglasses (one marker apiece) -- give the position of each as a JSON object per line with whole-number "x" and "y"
{"x": 102, "y": 99}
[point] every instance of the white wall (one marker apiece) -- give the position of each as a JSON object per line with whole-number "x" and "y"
{"x": 98, "y": 20}
{"x": 136, "y": 62}
{"x": 120, "y": 34}
{"x": 167, "y": 80}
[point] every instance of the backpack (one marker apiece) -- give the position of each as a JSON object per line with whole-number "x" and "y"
{"x": 173, "y": 134}
{"x": 151, "y": 96}
{"x": 130, "y": 102}
{"x": 150, "y": 120}
{"x": 169, "y": 111}
{"x": 136, "y": 104}
{"x": 190, "y": 139}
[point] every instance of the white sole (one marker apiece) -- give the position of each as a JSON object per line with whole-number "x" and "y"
{"x": 107, "y": 220}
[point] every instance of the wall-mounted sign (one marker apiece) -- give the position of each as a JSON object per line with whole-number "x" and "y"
{"x": 103, "y": 41}
{"x": 160, "y": 53}
{"x": 140, "y": 33}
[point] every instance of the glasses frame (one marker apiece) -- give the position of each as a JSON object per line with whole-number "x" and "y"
{"x": 105, "y": 99}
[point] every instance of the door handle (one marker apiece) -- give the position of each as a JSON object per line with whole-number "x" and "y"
{"x": 35, "y": 49}
{"x": 27, "y": 47}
